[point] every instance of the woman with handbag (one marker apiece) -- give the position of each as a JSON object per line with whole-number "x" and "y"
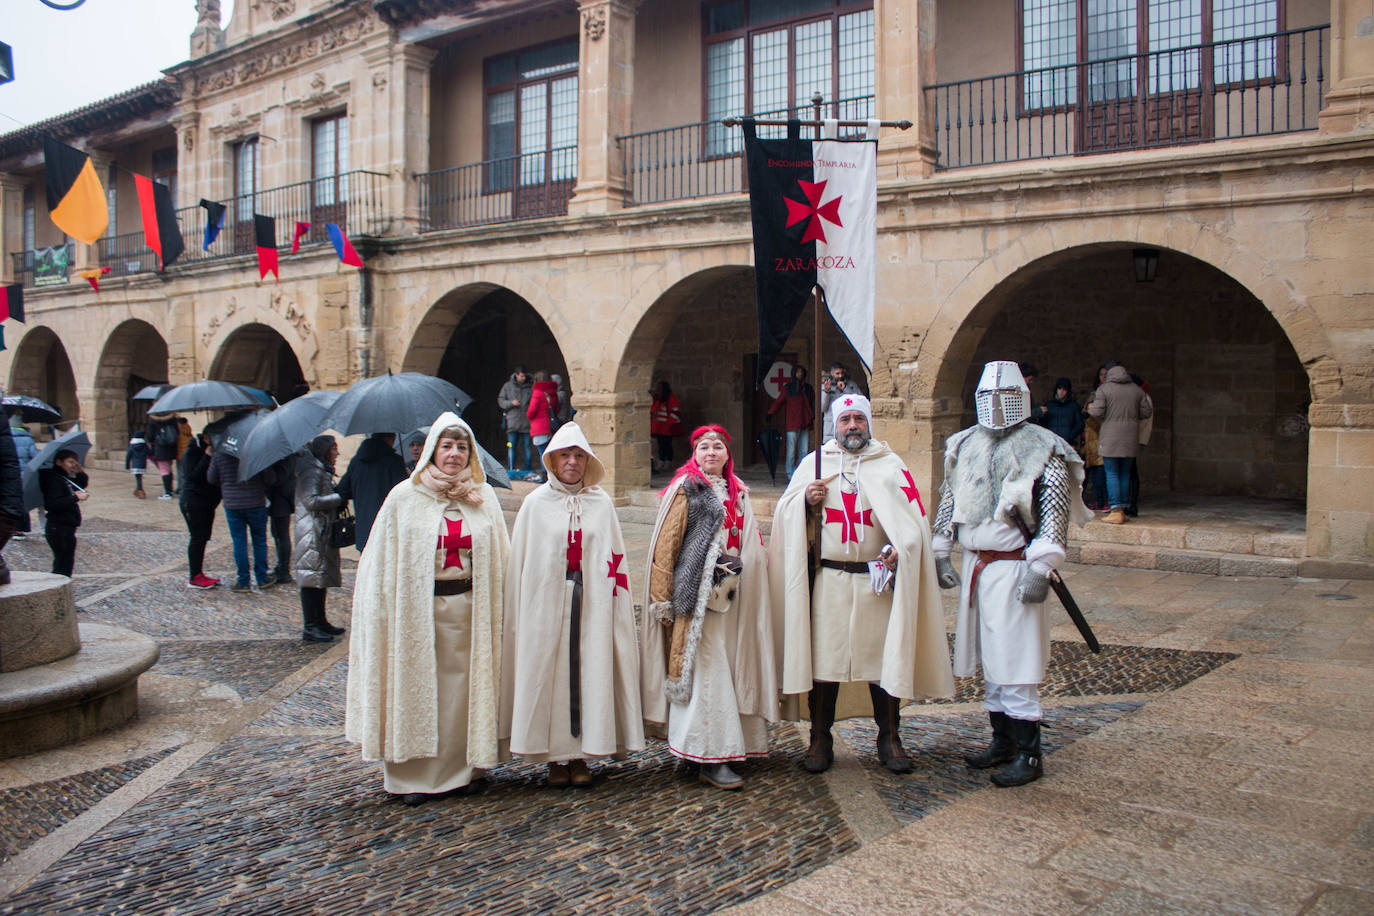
{"x": 316, "y": 551}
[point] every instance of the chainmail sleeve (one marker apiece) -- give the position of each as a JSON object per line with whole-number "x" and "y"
{"x": 944, "y": 515}
{"x": 1054, "y": 501}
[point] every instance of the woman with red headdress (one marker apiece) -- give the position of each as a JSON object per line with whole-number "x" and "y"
{"x": 707, "y": 672}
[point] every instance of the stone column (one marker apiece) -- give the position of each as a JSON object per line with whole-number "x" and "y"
{"x": 1340, "y": 487}
{"x": 605, "y": 81}
{"x": 192, "y": 176}
{"x": 1350, "y": 100}
{"x": 395, "y": 102}
{"x": 904, "y": 57}
{"x": 11, "y": 224}
{"x": 617, "y": 427}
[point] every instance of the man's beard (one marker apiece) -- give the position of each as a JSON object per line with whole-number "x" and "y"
{"x": 854, "y": 441}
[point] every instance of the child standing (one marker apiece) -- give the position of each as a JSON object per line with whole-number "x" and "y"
{"x": 64, "y": 489}
{"x": 136, "y": 462}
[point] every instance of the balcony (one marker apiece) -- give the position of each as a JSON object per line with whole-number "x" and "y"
{"x": 1250, "y": 87}
{"x": 527, "y": 186}
{"x": 56, "y": 263}
{"x": 706, "y": 158}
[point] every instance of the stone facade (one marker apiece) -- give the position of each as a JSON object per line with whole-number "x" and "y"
{"x": 1254, "y": 335}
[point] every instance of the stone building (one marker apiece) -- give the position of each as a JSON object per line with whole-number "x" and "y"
{"x": 1181, "y": 187}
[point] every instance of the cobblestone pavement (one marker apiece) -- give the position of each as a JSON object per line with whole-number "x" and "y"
{"x": 1200, "y": 763}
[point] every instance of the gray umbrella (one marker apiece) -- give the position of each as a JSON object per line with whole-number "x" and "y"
{"x": 74, "y": 439}
{"x": 394, "y": 403}
{"x": 228, "y": 433}
{"x": 30, "y": 409}
{"x": 494, "y": 469}
{"x": 152, "y": 392}
{"x": 206, "y": 395}
{"x": 284, "y": 431}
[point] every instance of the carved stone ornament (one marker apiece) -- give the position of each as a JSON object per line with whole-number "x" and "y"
{"x": 594, "y": 23}
{"x": 268, "y": 62}
{"x": 280, "y": 9}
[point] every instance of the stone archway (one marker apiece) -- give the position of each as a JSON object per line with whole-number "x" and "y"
{"x": 135, "y": 355}
{"x": 701, "y": 336}
{"x": 41, "y": 368}
{"x": 256, "y": 355}
{"x": 473, "y": 337}
{"x": 1230, "y": 392}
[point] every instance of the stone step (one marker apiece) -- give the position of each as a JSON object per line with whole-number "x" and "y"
{"x": 1172, "y": 559}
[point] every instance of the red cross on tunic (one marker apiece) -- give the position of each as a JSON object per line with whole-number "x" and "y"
{"x": 618, "y": 578}
{"x": 453, "y": 542}
{"x": 734, "y": 521}
{"x": 912, "y": 494}
{"x": 575, "y": 550}
{"x": 849, "y": 517}
{"x": 780, "y": 379}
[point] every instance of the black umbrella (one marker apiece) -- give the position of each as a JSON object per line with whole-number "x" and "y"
{"x": 284, "y": 431}
{"x": 74, "y": 439}
{"x": 496, "y": 472}
{"x": 31, "y": 410}
{"x": 770, "y": 443}
{"x": 152, "y": 392}
{"x": 228, "y": 433}
{"x": 394, "y": 403}
{"x": 206, "y": 395}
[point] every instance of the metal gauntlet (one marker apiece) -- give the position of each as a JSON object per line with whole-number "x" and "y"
{"x": 1053, "y": 508}
{"x": 944, "y": 515}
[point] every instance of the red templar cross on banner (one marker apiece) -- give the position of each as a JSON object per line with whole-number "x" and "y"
{"x": 453, "y": 542}
{"x": 780, "y": 379}
{"x": 849, "y": 517}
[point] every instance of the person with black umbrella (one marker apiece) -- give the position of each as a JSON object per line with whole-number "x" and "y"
{"x": 317, "y": 557}
{"x": 374, "y": 470}
{"x": 245, "y": 508}
{"x": 64, "y": 489}
{"x": 281, "y": 506}
{"x": 199, "y": 498}
{"x": 11, "y": 496}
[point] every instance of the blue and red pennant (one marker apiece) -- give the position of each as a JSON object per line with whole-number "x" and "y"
{"x": 214, "y": 221}
{"x": 343, "y": 246}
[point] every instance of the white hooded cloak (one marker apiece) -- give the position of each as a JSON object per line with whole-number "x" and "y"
{"x": 535, "y": 691}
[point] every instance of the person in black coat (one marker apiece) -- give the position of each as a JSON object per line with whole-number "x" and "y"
{"x": 199, "y": 499}
{"x": 11, "y": 495}
{"x": 1062, "y": 416}
{"x": 374, "y": 470}
{"x": 163, "y": 435}
{"x": 281, "y": 505}
{"x": 64, "y": 489}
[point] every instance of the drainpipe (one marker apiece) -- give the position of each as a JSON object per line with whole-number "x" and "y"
{"x": 365, "y": 321}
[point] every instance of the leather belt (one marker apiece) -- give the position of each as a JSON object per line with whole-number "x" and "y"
{"x": 449, "y": 587}
{"x": 991, "y": 556}
{"x": 858, "y": 569}
{"x": 575, "y": 654}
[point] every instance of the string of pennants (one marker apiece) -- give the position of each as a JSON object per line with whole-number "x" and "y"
{"x": 77, "y": 206}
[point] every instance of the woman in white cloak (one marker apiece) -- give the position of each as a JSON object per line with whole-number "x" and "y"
{"x": 570, "y": 679}
{"x": 425, "y": 661}
{"x": 707, "y": 663}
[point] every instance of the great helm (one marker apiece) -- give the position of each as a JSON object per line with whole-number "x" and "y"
{"x": 1002, "y": 397}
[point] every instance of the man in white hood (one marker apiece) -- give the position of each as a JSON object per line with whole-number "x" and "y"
{"x": 846, "y": 622}
{"x": 570, "y": 679}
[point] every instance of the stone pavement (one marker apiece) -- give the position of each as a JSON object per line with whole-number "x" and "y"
{"x": 1208, "y": 760}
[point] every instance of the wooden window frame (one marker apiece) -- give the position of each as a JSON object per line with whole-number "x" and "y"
{"x": 489, "y": 185}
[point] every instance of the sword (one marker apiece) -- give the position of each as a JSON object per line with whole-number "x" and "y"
{"x": 1062, "y": 590}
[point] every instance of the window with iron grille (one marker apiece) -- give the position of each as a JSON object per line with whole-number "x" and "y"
{"x": 769, "y": 57}
{"x": 1065, "y": 42}
{"x": 531, "y": 117}
{"x": 246, "y": 168}
{"x": 165, "y": 170}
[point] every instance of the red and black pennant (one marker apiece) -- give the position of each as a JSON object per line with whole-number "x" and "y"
{"x": 160, "y": 229}
{"x": 12, "y": 302}
{"x": 265, "y": 237}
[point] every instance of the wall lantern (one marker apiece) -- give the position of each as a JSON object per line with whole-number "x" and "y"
{"x": 1146, "y": 264}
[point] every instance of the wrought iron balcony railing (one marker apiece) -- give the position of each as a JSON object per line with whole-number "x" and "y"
{"x": 1247, "y": 87}
{"x": 35, "y": 264}
{"x": 706, "y": 158}
{"x": 527, "y": 186}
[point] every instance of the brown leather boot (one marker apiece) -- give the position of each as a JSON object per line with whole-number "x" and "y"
{"x": 887, "y": 713}
{"x": 821, "y": 698}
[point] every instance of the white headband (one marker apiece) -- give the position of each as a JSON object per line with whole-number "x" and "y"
{"x": 847, "y": 403}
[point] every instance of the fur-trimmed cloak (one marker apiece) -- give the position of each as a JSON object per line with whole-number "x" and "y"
{"x": 392, "y": 707}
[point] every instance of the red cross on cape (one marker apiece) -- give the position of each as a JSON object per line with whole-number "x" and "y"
{"x": 620, "y": 579}
{"x": 454, "y": 541}
{"x": 849, "y": 518}
{"x": 912, "y": 494}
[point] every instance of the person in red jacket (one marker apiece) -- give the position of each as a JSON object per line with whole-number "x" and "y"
{"x": 542, "y": 410}
{"x": 665, "y": 422}
{"x": 795, "y": 400}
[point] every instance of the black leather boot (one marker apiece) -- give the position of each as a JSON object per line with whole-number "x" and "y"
{"x": 1026, "y": 767}
{"x": 821, "y": 698}
{"x": 1003, "y": 746}
{"x": 312, "y": 632}
{"x": 330, "y": 628}
{"x": 887, "y": 712}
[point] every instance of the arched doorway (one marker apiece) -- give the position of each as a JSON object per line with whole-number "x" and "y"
{"x": 135, "y": 356}
{"x": 473, "y": 337}
{"x": 1230, "y": 392}
{"x": 42, "y": 369}
{"x": 257, "y": 355}
{"x": 701, "y": 336}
